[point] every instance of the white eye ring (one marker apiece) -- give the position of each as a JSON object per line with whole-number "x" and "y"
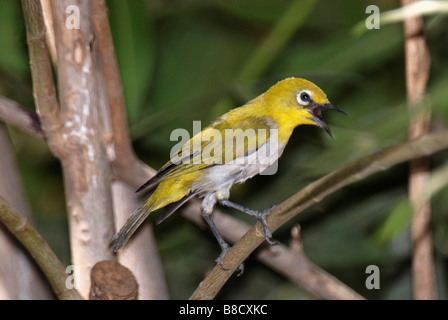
{"x": 304, "y": 97}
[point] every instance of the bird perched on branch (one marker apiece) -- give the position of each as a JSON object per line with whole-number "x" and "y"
{"x": 237, "y": 146}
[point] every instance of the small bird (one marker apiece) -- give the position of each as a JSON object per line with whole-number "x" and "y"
{"x": 237, "y": 146}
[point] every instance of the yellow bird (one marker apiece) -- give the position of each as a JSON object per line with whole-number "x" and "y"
{"x": 237, "y": 146}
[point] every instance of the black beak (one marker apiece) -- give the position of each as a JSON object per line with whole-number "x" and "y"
{"x": 316, "y": 111}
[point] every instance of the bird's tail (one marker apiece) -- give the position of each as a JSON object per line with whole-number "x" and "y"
{"x": 170, "y": 194}
{"x": 134, "y": 221}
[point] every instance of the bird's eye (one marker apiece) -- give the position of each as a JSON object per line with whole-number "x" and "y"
{"x": 304, "y": 97}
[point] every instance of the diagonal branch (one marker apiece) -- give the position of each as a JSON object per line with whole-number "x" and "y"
{"x": 125, "y": 165}
{"x": 49, "y": 29}
{"x": 13, "y": 113}
{"x": 288, "y": 262}
{"x": 39, "y": 250}
{"x": 314, "y": 193}
{"x": 41, "y": 71}
{"x": 18, "y": 269}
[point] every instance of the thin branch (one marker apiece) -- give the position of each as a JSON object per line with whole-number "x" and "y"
{"x": 13, "y": 113}
{"x": 437, "y": 181}
{"x": 49, "y": 28}
{"x": 39, "y": 250}
{"x": 126, "y": 166}
{"x": 284, "y": 260}
{"x": 417, "y": 74}
{"x": 312, "y": 194}
{"x": 41, "y": 71}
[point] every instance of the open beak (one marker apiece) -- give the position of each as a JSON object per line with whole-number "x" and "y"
{"x": 316, "y": 112}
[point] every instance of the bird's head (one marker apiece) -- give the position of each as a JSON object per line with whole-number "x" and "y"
{"x": 301, "y": 101}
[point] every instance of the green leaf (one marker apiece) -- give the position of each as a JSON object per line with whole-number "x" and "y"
{"x": 396, "y": 221}
{"x": 134, "y": 39}
{"x": 257, "y": 10}
{"x": 12, "y": 56}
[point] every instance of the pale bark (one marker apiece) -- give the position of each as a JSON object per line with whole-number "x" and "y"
{"x": 80, "y": 144}
{"x": 417, "y": 74}
{"x": 49, "y": 28}
{"x": 140, "y": 255}
{"x": 19, "y": 276}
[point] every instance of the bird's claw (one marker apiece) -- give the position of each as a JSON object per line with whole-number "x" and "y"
{"x": 261, "y": 216}
{"x": 224, "y": 249}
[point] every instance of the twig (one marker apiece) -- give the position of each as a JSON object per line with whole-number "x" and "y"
{"x": 41, "y": 72}
{"x": 437, "y": 181}
{"x": 125, "y": 165}
{"x": 13, "y": 113}
{"x": 49, "y": 28}
{"x": 286, "y": 261}
{"x": 296, "y": 245}
{"x": 314, "y": 193}
{"x": 39, "y": 250}
{"x": 417, "y": 73}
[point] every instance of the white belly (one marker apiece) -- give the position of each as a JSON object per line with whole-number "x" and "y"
{"x": 219, "y": 179}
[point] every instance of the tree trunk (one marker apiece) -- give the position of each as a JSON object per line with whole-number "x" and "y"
{"x": 80, "y": 146}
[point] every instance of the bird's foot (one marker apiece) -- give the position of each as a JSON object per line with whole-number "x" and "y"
{"x": 261, "y": 216}
{"x": 224, "y": 249}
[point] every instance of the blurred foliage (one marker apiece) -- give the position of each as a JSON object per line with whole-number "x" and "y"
{"x": 185, "y": 60}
